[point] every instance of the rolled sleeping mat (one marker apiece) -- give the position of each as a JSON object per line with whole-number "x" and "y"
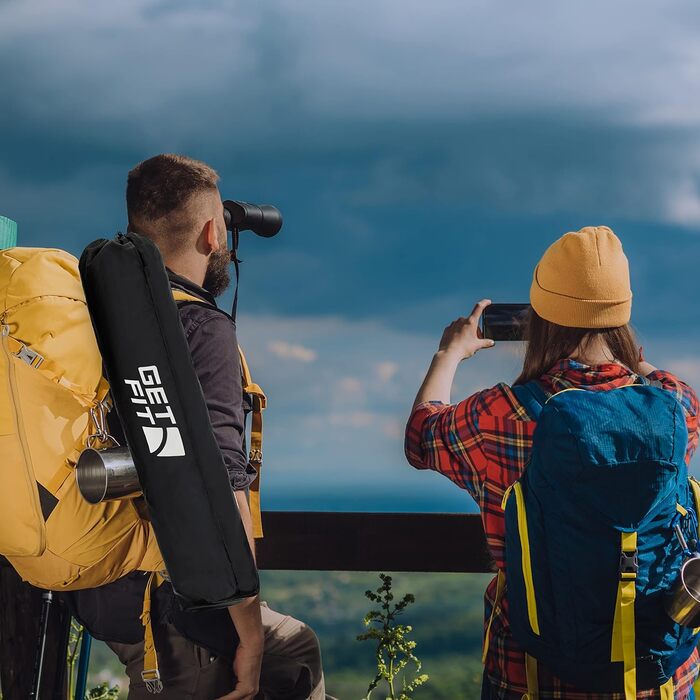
{"x": 159, "y": 402}
{"x": 8, "y": 233}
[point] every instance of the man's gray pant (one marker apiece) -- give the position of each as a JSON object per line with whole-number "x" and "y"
{"x": 291, "y": 668}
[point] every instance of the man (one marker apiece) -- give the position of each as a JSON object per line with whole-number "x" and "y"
{"x": 175, "y": 201}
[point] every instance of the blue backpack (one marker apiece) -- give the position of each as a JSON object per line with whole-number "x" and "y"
{"x": 590, "y": 543}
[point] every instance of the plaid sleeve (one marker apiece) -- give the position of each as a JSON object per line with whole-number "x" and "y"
{"x": 446, "y": 438}
{"x": 688, "y": 399}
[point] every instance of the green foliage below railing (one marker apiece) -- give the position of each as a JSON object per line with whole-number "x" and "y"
{"x": 395, "y": 652}
{"x": 448, "y": 617}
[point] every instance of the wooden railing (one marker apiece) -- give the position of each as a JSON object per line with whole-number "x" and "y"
{"x": 358, "y": 542}
{"x": 293, "y": 541}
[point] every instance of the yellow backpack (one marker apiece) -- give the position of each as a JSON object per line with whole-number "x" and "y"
{"x": 53, "y": 403}
{"x": 53, "y": 398}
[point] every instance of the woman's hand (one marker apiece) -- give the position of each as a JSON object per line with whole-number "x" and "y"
{"x": 463, "y": 337}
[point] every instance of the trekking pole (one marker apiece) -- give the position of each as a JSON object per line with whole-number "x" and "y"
{"x": 83, "y": 665}
{"x": 47, "y": 598}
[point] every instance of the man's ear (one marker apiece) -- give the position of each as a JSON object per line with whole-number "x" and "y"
{"x": 210, "y": 236}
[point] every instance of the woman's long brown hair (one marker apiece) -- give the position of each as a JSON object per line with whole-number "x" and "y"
{"x": 548, "y": 343}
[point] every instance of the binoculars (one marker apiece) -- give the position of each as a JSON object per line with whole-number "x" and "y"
{"x": 262, "y": 219}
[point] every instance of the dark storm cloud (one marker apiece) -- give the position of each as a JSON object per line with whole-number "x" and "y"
{"x": 424, "y": 156}
{"x": 420, "y": 155}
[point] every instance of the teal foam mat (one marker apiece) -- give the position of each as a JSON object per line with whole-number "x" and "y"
{"x": 8, "y": 233}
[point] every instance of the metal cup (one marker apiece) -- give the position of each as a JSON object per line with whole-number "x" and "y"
{"x": 107, "y": 475}
{"x": 683, "y": 602}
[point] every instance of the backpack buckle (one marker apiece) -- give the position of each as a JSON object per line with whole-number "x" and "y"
{"x": 31, "y": 357}
{"x": 151, "y": 678}
{"x": 629, "y": 564}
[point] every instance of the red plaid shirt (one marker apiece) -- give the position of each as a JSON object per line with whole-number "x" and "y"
{"x": 483, "y": 444}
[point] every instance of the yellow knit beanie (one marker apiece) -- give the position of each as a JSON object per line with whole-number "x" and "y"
{"x": 583, "y": 281}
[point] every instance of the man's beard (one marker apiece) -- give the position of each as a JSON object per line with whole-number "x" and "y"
{"x": 217, "y": 277}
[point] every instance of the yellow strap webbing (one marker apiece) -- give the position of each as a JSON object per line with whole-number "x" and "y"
{"x": 616, "y": 647}
{"x": 500, "y": 586}
{"x": 667, "y": 690}
{"x": 525, "y": 557}
{"x": 625, "y": 599}
{"x": 150, "y": 674}
{"x": 533, "y": 688}
{"x": 256, "y": 425}
{"x": 89, "y": 398}
{"x": 85, "y": 396}
{"x": 695, "y": 490}
{"x": 256, "y": 442}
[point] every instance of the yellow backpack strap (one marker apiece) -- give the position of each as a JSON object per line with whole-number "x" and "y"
{"x": 500, "y": 587}
{"x": 256, "y": 426}
{"x": 150, "y": 674}
{"x": 85, "y": 396}
{"x": 533, "y": 687}
{"x": 526, "y": 561}
{"x": 695, "y": 490}
{"x": 666, "y": 690}
{"x": 180, "y": 295}
{"x": 88, "y": 398}
{"x": 256, "y": 442}
{"x": 623, "y": 637}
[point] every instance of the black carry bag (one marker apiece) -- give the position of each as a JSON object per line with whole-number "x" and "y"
{"x": 160, "y": 405}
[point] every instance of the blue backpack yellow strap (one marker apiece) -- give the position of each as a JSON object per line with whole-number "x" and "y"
{"x": 526, "y": 559}
{"x": 533, "y": 686}
{"x": 624, "y": 644}
{"x": 666, "y": 690}
{"x": 695, "y": 491}
{"x": 500, "y": 587}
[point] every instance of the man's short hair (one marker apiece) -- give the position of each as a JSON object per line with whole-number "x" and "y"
{"x": 158, "y": 192}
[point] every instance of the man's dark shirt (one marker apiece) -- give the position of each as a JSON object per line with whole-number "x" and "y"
{"x": 211, "y": 336}
{"x": 112, "y": 612}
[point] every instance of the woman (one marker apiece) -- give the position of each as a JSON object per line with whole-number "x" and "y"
{"x": 578, "y": 337}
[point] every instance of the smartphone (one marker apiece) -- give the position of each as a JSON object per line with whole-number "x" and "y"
{"x": 505, "y": 321}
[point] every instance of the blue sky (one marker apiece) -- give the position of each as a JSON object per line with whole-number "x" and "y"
{"x": 424, "y": 155}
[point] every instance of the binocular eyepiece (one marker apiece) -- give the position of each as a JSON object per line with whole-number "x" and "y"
{"x": 262, "y": 219}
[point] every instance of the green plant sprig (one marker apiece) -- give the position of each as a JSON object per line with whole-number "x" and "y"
{"x": 395, "y": 651}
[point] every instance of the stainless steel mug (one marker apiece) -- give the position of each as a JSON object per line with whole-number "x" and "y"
{"x": 107, "y": 475}
{"x": 683, "y": 602}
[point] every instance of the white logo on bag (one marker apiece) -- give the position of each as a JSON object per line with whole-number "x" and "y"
{"x": 162, "y": 435}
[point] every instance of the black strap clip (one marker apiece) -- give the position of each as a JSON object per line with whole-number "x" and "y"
{"x": 629, "y": 562}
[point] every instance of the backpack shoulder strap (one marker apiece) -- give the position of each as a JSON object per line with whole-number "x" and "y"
{"x": 532, "y": 396}
{"x": 181, "y": 295}
{"x": 256, "y": 429}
